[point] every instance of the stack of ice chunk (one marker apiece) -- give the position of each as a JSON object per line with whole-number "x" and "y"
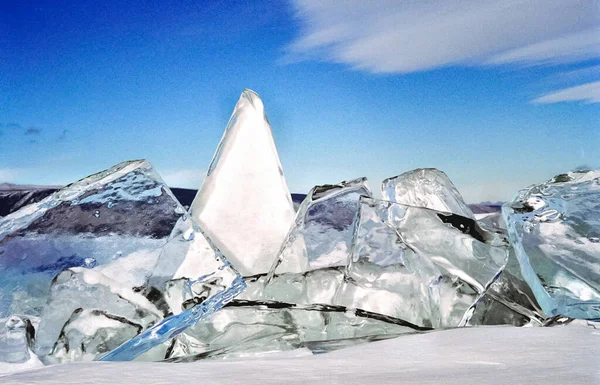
{"x": 112, "y": 267}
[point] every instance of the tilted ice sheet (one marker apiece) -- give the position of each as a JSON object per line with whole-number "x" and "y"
{"x": 323, "y": 228}
{"x": 116, "y": 230}
{"x": 104, "y": 219}
{"x": 425, "y": 187}
{"x": 554, "y": 228}
{"x": 244, "y": 204}
{"x": 420, "y": 265}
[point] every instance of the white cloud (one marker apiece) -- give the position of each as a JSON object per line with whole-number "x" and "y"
{"x": 408, "y": 36}
{"x": 185, "y": 178}
{"x": 573, "y": 47}
{"x": 588, "y": 93}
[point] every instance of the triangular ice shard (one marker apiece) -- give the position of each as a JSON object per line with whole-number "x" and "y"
{"x": 244, "y": 205}
{"x": 425, "y": 187}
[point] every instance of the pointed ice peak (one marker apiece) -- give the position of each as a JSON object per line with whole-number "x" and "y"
{"x": 425, "y": 187}
{"x": 244, "y": 204}
{"x": 253, "y": 98}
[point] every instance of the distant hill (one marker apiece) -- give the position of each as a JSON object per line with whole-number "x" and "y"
{"x": 14, "y": 196}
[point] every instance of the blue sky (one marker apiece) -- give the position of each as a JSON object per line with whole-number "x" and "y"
{"x": 498, "y": 94}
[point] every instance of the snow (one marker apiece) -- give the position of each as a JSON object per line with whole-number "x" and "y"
{"x": 486, "y": 355}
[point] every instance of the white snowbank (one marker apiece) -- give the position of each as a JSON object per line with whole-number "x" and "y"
{"x": 487, "y": 355}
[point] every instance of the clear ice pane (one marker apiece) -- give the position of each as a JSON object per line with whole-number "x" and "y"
{"x": 554, "y": 228}
{"x": 244, "y": 204}
{"x": 419, "y": 265}
{"x": 323, "y": 229}
{"x": 425, "y": 187}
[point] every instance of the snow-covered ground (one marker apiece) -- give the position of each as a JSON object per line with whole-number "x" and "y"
{"x": 486, "y": 355}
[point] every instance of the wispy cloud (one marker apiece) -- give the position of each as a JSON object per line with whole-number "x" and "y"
{"x": 566, "y": 49}
{"x": 579, "y": 75}
{"x": 33, "y": 131}
{"x": 588, "y": 93}
{"x": 407, "y": 36}
{"x": 185, "y": 178}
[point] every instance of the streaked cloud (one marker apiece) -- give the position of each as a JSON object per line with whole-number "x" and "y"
{"x": 571, "y": 48}
{"x": 407, "y": 36}
{"x": 191, "y": 178}
{"x": 587, "y": 93}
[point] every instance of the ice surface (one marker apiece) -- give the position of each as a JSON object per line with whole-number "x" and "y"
{"x": 323, "y": 229}
{"x": 554, "y": 228}
{"x": 425, "y": 187}
{"x": 420, "y": 265}
{"x": 465, "y": 356}
{"x": 112, "y": 243}
{"x": 244, "y": 204}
